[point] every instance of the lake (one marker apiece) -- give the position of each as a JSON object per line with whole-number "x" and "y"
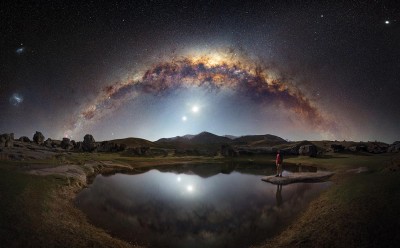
{"x": 196, "y": 205}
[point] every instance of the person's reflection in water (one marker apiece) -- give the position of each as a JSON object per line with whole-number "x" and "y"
{"x": 278, "y": 195}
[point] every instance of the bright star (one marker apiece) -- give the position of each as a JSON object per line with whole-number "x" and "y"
{"x": 195, "y": 109}
{"x": 387, "y": 22}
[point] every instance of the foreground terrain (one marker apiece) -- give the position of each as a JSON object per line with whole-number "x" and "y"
{"x": 360, "y": 209}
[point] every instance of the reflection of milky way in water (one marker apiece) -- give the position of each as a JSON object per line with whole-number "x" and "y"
{"x": 180, "y": 210}
{"x": 214, "y": 71}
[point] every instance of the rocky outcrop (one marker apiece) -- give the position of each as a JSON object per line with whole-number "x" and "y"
{"x": 138, "y": 151}
{"x": 38, "y": 138}
{"x": 308, "y": 150}
{"x": 66, "y": 144}
{"x": 377, "y": 148}
{"x": 294, "y": 150}
{"x": 337, "y": 148}
{"x": 24, "y": 139}
{"x": 107, "y": 146}
{"x": 7, "y": 140}
{"x": 89, "y": 144}
{"x": 395, "y": 147}
{"x": 48, "y": 143}
{"x": 78, "y": 146}
{"x": 319, "y": 176}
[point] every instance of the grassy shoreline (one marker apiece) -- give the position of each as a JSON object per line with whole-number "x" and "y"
{"x": 38, "y": 211}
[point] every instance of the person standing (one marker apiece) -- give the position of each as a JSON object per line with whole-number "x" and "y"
{"x": 279, "y": 161}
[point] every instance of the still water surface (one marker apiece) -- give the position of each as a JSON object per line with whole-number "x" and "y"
{"x": 194, "y": 205}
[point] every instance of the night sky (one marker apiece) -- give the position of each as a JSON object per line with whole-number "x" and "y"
{"x": 150, "y": 69}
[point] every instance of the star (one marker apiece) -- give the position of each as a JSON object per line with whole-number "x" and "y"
{"x": 195, "y": 109}
{"x": 387, "y": 22}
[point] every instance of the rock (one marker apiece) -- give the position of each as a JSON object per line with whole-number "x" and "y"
{"x": 38, "y": 138}
{"x": 395, "y": 147}
{"x": 66, "y": 144}
{"x": 337, "y": 148}
{"x": 107, "y": 146}
{"x": 56, "y": 143}
{"x": 9, "y": 143}
{"x": 48, "y": 143}
{"x": 89, "y": 144}
{"x": 353, "y": 148}
{"x": 308, "y": 150}
{"x": 296, "y": 177}
{"x": 376, "y": 147}
{"x": 78, "y": 146}
{"x": 138, "y": 151}
{"x": 24, "y": 139}
{"x": 7, "y": 140}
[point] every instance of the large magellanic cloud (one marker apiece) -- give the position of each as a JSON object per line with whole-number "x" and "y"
{"x": 213, "y": 70}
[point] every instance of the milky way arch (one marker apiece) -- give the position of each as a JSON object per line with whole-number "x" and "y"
{"x": 214, "y": 71}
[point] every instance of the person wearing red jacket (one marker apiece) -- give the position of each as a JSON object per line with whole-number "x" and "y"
{"x": 279, "y": 161}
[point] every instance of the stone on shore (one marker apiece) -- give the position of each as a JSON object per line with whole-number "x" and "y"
{"x": 298, "y": 177}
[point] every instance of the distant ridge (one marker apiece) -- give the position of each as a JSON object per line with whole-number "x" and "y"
{"x": 207, "y": 138}
{"x": 201, "y": 138}
{"x": 134, "y": 142}
{"x": 259, "y": 140}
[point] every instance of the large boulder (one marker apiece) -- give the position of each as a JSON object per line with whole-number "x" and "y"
{"x": 395, "y": 147}
{"x": 66, "y": 144}
{"x": 78, "y": 146}
{"x": 38, "y": 138}
{"x": 89, "y": 144}
{"x": 308, "y": 150}
{"x": 7, "y": 140}
{"x": 48, "y": 143}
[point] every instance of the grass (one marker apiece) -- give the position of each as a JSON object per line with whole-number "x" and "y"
{"x": 37, "y": 211}
{"x": 359, "y": 210}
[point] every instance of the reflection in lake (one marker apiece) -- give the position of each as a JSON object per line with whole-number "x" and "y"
{"x": 179, "y": 208}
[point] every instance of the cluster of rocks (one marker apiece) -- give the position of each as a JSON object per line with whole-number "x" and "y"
{"x": 7, "y": 140}
{"x": 88, "y": 145}
{"x": 304, "y": 148}
{"x": 370, "y": 147}
{"x": 395, "y": 147}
